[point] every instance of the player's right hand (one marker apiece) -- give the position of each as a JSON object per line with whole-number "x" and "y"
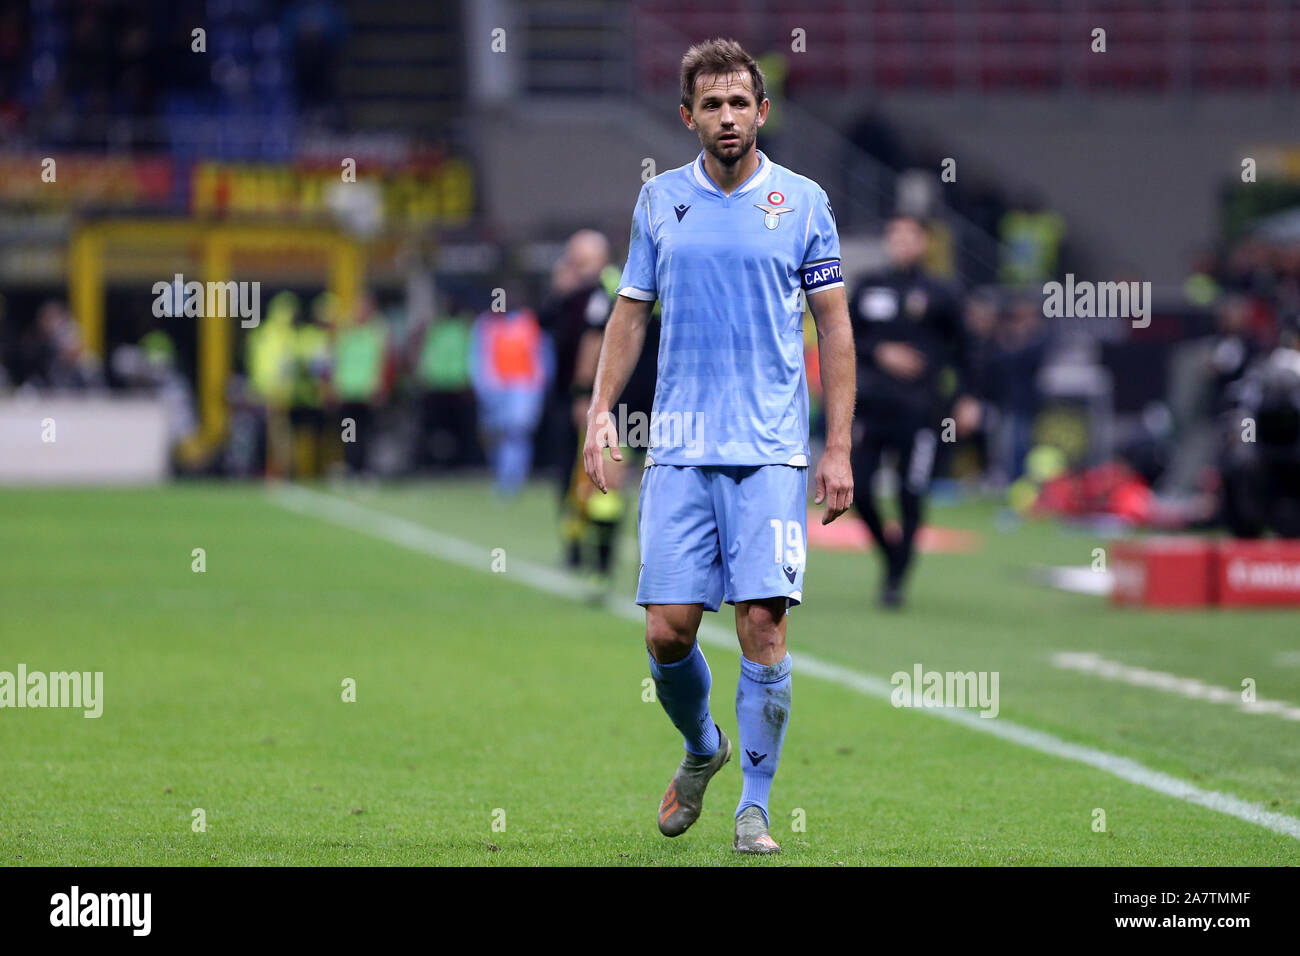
{"x": 601, "y": 434}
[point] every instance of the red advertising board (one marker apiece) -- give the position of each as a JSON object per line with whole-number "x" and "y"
{"x": 1196, "y": 572}
{"x": 1258, "y": 573}
{"x": 1162, "y": 572}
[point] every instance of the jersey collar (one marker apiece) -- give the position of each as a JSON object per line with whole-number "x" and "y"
{"x": 708, "y": 185}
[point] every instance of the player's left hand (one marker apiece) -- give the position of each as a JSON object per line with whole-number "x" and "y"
{"x": 834, "y": 484}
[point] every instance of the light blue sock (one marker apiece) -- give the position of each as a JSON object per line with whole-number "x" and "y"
{"x": 762, "y": 713}
{"x": 683, "y": 689}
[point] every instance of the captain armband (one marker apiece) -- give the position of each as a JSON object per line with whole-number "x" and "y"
{"x": 819, "y": 276}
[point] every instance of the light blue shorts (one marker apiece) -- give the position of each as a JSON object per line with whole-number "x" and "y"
{"x": 714, "y": 533}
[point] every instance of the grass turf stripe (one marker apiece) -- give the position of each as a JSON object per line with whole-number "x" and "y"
{"x": 416, "y": 537}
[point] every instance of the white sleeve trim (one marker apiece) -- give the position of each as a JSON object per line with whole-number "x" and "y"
{"x": 650, "y": 213}
{"x": 642, "y": 294}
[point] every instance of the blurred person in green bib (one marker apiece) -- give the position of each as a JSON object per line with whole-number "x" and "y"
{"x": 311, "y": 354}
{"x": 358, "y": 383}
{"x": 447, "y": 396}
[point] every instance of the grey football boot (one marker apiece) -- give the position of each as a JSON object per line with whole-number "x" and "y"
{"x": 751, "y": 833}
{"x": 684, "y": 798}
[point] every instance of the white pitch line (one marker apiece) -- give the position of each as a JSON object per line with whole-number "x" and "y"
{"x": 1087, "y": 662}
{"x": 416, "y": 537}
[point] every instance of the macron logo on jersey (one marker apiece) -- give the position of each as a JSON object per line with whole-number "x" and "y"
{"x": 819, "y": 275}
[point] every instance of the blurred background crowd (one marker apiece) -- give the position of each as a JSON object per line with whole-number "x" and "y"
{"x": 434, "y": 312}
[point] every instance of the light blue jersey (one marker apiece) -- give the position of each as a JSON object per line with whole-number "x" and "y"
{"x": 727, "y": 270}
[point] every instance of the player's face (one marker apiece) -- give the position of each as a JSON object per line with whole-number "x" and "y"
{"x": 726, "y": 115}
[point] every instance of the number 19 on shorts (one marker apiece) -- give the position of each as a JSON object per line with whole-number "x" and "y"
{"x": 787, "y": 541}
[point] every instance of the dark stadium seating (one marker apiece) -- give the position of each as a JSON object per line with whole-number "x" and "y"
{"x": 896, "y": 46}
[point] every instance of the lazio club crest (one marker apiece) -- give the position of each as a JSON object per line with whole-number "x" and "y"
{"x": 773, "y": 209}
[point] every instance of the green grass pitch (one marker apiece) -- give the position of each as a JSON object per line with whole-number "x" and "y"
{"x": 482, "y": 700}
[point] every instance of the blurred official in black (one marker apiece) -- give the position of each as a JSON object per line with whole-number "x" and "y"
{"x": 1260, "y": 458}
{"x": 907, "y": 327}
{"x": 574, "y": 314}
{"x": 583, "y": 288}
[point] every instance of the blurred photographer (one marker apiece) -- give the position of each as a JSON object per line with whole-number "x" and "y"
{"x": 1260, "y": 461}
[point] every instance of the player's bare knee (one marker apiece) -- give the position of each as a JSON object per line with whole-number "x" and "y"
{"x": 668, "y": 637}
{"x": 668, "y": 647}
{"x": 764, "y": 616}
{"x": 760, "y": 625}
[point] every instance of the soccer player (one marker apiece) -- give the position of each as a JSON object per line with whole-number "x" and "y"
{"x": 907, "y": 327}
{"x": 725, "y": 244}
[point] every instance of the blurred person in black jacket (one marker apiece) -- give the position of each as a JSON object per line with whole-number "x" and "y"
{"x": 1020, "y": 351}
{"x": 981, "y": 314}
{"x": 1260, "y": 457}
{"x": 1201, "y": 374}
{"x": 907, "y": 327}
{"x": 583, "y": 284}
{"x": 53, "y": 355}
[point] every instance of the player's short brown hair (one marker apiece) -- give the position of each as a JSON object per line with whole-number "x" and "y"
{"x": 722, "y": 57}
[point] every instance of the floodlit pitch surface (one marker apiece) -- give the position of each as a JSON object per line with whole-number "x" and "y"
{"x": 500, "y": 720}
